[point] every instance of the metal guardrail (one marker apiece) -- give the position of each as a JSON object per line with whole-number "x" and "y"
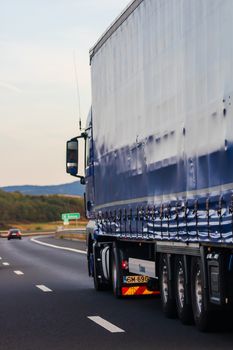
{"x": 3, "y": 234}
{"x": 71, "y": 230}
{"x": 71, "y": 233}
{"x": 61, "y": 232}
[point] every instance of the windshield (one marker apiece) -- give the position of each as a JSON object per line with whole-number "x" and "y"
{"x": 14, "y": 231}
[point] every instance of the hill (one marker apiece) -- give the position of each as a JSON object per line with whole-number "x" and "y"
{"x": 16, "y": 208}
{"x": 74, "y": 189}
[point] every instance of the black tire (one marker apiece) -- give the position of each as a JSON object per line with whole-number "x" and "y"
{"x": 90, "y": 257}
{"x": 115, "y": 274}
{"x": 182, "y": 290}
{"x": 8, "y": 238}
{"x": 98, "y": 283}
{"x": 167, "y": 287}
{"x": 200, "y": 311}
{"x": 90, "y": 264}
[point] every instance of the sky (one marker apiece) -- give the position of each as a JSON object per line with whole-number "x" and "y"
{"x": 39, "y": 109}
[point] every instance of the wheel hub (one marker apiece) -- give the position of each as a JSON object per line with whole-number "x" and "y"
{"x": 165, "y": 284}
{"x": 198, "y": 291}
{"x": 180, "y": 285}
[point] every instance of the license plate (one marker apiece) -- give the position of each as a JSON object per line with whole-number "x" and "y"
{"x": 135, "y": 279}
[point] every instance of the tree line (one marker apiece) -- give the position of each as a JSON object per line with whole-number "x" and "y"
{"x": 16, "y": 207}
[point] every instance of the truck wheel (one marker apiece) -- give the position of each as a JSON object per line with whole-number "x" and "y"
{"x": 182, "y": 291}
{"x": 90, "y": 264}
{"x": 97, "y": 269}
{"x": 166, "y": 287}
{"x": 116, "y": 279}
{"x": 90, "y": 257}
{"x": 200, "y": 314}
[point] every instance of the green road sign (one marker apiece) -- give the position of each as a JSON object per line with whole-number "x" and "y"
{"x": 70, "y": 216}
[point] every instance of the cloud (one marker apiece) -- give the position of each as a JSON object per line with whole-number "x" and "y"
{"x": 10, "y": 87}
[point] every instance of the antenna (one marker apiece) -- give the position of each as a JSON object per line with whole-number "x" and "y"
{"x": 77, "y": 89}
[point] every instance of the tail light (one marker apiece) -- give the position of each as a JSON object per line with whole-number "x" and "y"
{"x": 124, "y": 265}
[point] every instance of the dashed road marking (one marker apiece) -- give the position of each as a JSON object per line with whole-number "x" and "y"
{"x": 43, "y": 288}
{"x": 58, "y": 247}
{"x": 0, "y": 258}
{"x": 105, "y": 324}
{"x": 5, "y": 264}
{"x": 19, "y": 273}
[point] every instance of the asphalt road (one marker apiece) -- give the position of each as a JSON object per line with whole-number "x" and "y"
{"x": 47, "y": 299}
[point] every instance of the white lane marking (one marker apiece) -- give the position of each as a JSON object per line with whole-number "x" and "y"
{"x": 5, "y": 264}
{"x": 105, "y": 324}
{"x": 0, "y": 258}
{"x": 43, "y": 288}
{"x": 19, "y": 273}
{"x": 57, "y": 247}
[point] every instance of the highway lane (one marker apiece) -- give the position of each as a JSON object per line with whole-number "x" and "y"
{"x": 32, "y": 318}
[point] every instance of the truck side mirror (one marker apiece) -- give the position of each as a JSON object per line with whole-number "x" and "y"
{"x": 72, "y": 157}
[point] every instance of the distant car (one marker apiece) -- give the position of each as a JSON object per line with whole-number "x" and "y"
{"x": 14, "y": 233}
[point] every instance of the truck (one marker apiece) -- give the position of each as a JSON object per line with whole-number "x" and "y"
{"x": 159, "y": 158}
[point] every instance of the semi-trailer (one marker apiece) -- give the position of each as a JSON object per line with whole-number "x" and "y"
{"x": 159, "y": 157}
